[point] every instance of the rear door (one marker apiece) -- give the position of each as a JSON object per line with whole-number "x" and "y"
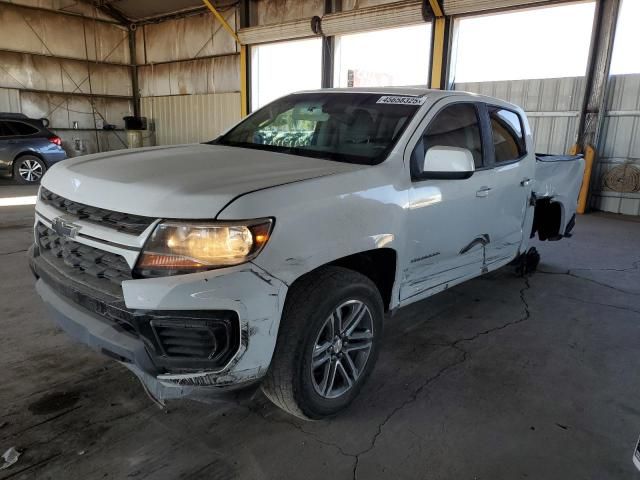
{"x": 512, "y": 175}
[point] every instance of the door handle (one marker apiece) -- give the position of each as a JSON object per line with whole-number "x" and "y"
{"x": 483, "y": 192}
{"x": 525, "y": 182}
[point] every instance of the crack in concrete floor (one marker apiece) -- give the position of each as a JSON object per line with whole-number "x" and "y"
{"x": 413, "y": 396}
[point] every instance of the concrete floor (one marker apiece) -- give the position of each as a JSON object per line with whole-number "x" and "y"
{"x": 499, "y": 378}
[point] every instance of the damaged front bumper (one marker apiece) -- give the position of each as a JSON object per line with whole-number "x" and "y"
{"x": 206, "y": 335}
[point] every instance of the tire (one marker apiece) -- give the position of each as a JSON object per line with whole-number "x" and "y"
{"x": 28, "y": 169}
{"x": 308, "y": 323}
{"x": 526, "y": 263}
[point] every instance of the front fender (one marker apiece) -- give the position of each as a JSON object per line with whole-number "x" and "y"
{"x": 325, "y": 219}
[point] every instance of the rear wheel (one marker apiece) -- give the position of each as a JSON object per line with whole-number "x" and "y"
{"x": 327, "y": 343}
{"x": 28, "y": 169}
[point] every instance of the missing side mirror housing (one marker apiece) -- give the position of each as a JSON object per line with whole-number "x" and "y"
{"x": 450, "y": 163}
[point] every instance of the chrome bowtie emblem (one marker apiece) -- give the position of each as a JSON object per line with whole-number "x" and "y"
{"x": 64, "y": 228}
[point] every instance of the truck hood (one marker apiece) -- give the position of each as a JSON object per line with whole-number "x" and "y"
{"x": 184, "y": 181}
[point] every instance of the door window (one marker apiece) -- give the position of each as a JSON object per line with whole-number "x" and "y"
{"x": 22, "y": 129}
{"x": 5, "y": 131}
{"x": 508, "y": 140}
{"x": 456, "y": 125}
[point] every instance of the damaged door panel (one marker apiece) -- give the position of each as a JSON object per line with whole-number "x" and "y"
{"x": 557, "y": 184}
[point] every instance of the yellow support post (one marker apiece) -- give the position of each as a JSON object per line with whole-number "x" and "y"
{"x": 243, "y": 81}
{"x": 437, "y": 9}
{"x": 438, "y": 52}
{"x": 589, "y": 158}
{"x": 243, "y": 57}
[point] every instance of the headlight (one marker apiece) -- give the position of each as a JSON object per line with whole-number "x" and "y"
{"x": 177, "y": 247}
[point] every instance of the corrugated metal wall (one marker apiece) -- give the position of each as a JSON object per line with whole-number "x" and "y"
{"x": 48, "y": 33}
{"x": 191, "y": 118}
{"x": 185, "y": 38}
{"x": 10, "y": 100}
{"x": 552, "y": 106}
{"x": 193, "y": 94}
{"x": 210, "y": 75}
{"x": 615, "y": 183}
{"x": 68, "y": 69}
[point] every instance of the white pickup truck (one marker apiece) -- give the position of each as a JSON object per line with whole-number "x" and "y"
{"x": 269, "y": 256}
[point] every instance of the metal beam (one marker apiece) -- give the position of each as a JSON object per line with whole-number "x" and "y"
{"x": 107, "y": 8}
{"x": 62, "y": 57}
{"x": 328, "y": 48}
{"x": 222, "y": 20}
{"x": 76, "y": 94}
{"x": 135, "y": 87}
{"x": 592, "y": 111}
{"x": 245, "y": 64}
{"x": 191, "y": 59}
{"x": 184, "y": 13}
{"x": 244, "y": 90}
{"x": 593, "y": 102}
{"x": 440, "y": 44}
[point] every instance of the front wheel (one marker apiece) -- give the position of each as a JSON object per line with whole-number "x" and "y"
{"x": 28, "y": 169}
{"x": 327, "y": 344}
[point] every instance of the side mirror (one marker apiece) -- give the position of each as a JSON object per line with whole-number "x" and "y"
{"x": 450, "y": 163}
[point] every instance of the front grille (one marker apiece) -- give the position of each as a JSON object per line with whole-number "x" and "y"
{"x": 122, "y": 222}
{"x": 81, "y": 259}
{"x": 198, "y": 338}
{"x": 177, "y": 341}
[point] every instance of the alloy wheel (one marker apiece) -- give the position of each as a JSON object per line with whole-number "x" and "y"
{"x": 30, "y": 170}
{"x": 342, "y": 349}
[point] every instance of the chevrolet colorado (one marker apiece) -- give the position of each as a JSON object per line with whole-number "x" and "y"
{"x": 269, "y": 256}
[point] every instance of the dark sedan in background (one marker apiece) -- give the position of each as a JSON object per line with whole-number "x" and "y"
{"x": 27, "y": 148}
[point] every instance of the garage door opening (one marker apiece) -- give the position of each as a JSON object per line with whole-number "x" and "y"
{"x": 383, "y": 57}
{"x": 625, "y": 57}
{"x": 284, "y": 67}
{"x": 534, "y": 43}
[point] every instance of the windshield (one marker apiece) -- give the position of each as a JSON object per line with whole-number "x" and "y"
{"x": 345, "y": 127}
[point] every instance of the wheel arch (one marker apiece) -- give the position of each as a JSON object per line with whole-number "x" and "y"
{"x": 27, "y": 153}
{"x": 548, "y": 219}
{"x": 378, "y": 265}
{"x": 30, "y": 153}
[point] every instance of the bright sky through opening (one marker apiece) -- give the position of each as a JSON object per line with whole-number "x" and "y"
{"x": 551, "y": 42}
{"x": 626, "y": 48}
{"x": 534, "y": 43}
{"x": 380, "y": 58}
{"x": 284, "y": 67}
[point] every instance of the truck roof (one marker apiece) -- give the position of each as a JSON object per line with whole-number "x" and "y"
{"x": 417, "y": 91}
{"x": 412, "y": 90}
